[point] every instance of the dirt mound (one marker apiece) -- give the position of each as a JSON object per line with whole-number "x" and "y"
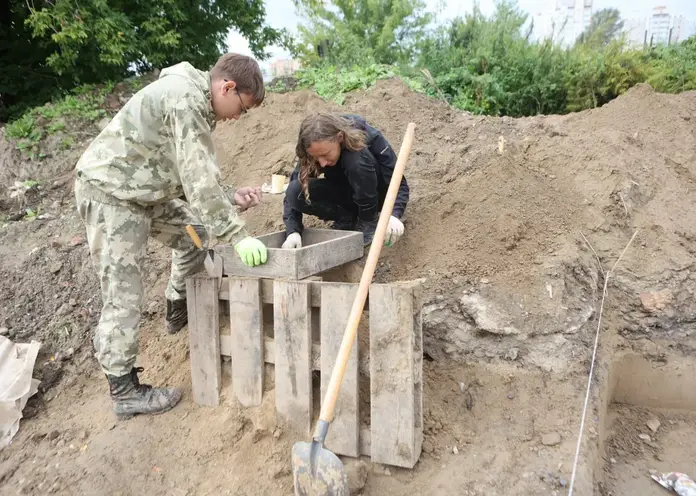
{"x": 514, "y": 223}
{"x": 506, "y": 215}
{"x": 502, "y": 215}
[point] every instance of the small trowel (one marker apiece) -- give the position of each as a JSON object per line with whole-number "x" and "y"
{"x": 213, "y": 264}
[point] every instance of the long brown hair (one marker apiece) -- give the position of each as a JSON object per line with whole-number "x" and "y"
{"x": 324, "y": 127}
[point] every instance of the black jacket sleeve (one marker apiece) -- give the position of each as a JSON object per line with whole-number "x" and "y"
{"x": 360, "y": 169}
{"x": 386, "y": 160}
{"x": 291, "y": 216}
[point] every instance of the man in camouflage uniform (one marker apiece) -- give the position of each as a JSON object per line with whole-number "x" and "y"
{"x": 130, "y": 185}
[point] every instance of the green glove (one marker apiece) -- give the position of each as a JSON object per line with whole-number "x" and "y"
{"x": 251, "y": 251}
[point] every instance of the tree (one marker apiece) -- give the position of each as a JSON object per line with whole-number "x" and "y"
{"x": 490, "y": 65}
{"x": 605, "y": 26}
{"x": 673, "y": 68}
{"x": 25, "y": 78}
{"x": 347, "y": 32}
{"x": 92, "y": 41}
{"x": 114, "y": 34}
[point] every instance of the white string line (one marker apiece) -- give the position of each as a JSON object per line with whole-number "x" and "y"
{"x": 594, "y": 356}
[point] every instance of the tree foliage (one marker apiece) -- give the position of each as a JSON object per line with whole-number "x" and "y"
{"x": 332, "y": 83}
{"x": 117, "y": 33}
{"x": 483, "y": 64}
{"x": 674, "y": 67}
{"x": 605, "y": 26}
{"x": 362, "y": 32}
{"x": 595, "y": 77}
{"x": 490, "y": 66}
{"x": 25, "y": 80}
{"x": 92, "y": 41}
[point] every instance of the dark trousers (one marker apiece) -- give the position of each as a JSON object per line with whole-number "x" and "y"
{"x": 327, "y": 200}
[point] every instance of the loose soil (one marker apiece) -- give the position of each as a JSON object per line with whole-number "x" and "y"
{"x": 513, "y": 223}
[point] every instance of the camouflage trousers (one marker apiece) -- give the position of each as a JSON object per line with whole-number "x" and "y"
{"x": 117, "y": 233}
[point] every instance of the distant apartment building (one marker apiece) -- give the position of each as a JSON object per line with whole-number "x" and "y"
{"x": 570, "y": 19}
{"x": 636, "y": 31}
{"x": 680, "y": 29}
{"x": 660, "y": 28}
{"x": 284, "y": 67}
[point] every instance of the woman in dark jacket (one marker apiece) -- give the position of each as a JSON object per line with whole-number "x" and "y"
{"x": 357, "y": 163}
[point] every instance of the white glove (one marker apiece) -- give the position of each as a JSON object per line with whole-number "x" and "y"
{"x": 394, "y": 231}
{"x": 293, "y": 241}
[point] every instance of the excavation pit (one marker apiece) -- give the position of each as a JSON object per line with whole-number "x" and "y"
{"x": 649, "y": 423}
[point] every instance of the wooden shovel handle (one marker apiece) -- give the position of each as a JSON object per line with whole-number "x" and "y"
{"x": 339, "y": 369}
{"x": 194, "y": 236}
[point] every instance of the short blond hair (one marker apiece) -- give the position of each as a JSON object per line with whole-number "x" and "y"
{"x": 244, "y": 71}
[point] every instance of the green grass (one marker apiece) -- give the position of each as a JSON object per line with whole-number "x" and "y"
{"x": 66, "y": 143}
{"x": 332, "y": 83}
{"x": 83, "y": 104}
{"x": 279, "y": 87}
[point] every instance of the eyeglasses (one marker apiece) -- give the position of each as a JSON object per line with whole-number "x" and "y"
{"x": 244, "y": 107}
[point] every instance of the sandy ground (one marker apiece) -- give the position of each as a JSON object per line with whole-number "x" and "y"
{"x": 514, "y": 243}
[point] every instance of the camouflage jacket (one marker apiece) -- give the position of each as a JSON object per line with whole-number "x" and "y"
{"x": 159, "y": 146}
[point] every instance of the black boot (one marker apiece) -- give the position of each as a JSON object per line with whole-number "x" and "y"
{"x": 342, "y": 218}
{"x": 177, "y": 315}
{"x": 130, "y": 397}
{"x": 347, "y": 224}
{"x": 368, "y": 228}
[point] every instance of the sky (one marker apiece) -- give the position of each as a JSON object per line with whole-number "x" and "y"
{"x": 281, "y": 14}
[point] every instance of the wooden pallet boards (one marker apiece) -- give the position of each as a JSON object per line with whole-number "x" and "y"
{"x": 394, "y": 433}
{"x": 395, "y": 361}
{"x": 204, "y": 336}
{"x": 322, "y": 249}
{"x": 247, "y": 349}
{"x": 343, "y": 436}
{"x": 292, "y": 320}
{"x": 267, "y": 291}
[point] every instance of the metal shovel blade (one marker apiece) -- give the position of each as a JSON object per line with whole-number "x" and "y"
{"x": 317, "y": 471}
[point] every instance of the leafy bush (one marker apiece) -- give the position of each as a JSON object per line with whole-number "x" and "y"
{"x": 333, "y": 83}
{"x": 42, "y": 41}
{"x": 360, "y": 32}
{"x": 491, "y": 65}
{"x": 595, "y": 77}
{"x": 673, "y": 69}
{"x": 485, "y": 65}
{"x": 82, "y": 105}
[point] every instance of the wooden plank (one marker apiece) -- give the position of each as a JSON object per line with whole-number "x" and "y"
{"x": 292, "y": 320}
{"x": 365, "y": 440}
{"x": 268, "y": 350}
{"x": 313, "y": 236}
{"x": 281, "y": 264}
{"x": 273, "y": 240}
{"x": 326, "y": 255}
{"x": 393, "y": 372}
{"x": 246, "y": 325}
{"x": 418, "y": 369}
{"x": 204, "y": 338}
{"x": 339, "y": 247}
{"x": 269, "y": 353}
{"x": 343, "y": 437}
{"x": 267, "y": 292}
